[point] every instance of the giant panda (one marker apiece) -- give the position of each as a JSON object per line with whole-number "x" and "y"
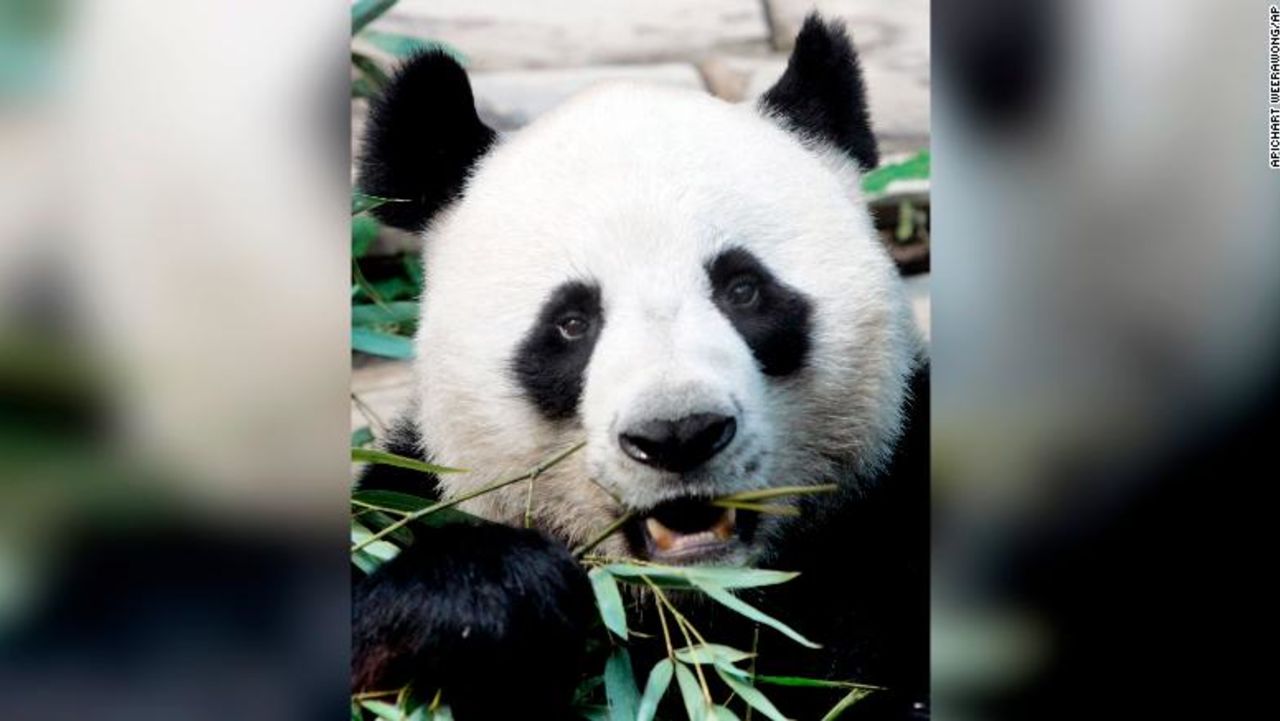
{"x": 694, "y": 289}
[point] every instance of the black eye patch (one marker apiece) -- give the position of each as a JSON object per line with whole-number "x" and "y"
{"x": 550, "y": 362}
{"x": 775, "y": 322}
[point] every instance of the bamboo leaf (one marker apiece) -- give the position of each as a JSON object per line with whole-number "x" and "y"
{"x": 711, "y": 653}
{"x": 734, "y": 603}
{"x": 620, "y": 686}
{"x": 690, "y": 692}
{"x": 365, "y": 562}
{"x": 364, "y": 12}
{"x": 914, "y": 168}
{"x": 370, "y": 455}
{"x": 686, "y": 576}
{"x": 383, "y": 710}
{"x": 850, "y": 699}
{"x": 364, "y": 230}
{"x": 764, "y": 494}
{"x": 361, "y": 436}
{"x": 370, "y": 71}
{"x": 655, "y": 689}
{"x": 370, "y": 314}
{"x": 610, "y": 601}
{"x": 403, "y": 46}
{"x": 386, "y": 345}
{"x": 390, "y": 501}
{"x": 752, "y": 696}
{"x": 720, "y": 713}
{"x": 381, "y": 551}
{"x": 802, "y": 682}
{"x": 363, "y": 202}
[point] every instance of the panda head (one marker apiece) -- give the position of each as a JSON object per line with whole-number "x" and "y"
{"x": 691, "y": 287}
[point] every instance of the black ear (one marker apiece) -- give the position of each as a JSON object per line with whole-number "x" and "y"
{"x": 422, "y": 138}
{"x": 821, "y": 94}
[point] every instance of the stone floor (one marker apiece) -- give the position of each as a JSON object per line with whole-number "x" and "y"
{"x": 526, "y": 57}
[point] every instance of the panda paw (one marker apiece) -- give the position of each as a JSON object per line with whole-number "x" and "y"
{"x": 494, "y": 618}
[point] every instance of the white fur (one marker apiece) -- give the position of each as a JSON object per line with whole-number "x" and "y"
{"x": 635, "y": 188}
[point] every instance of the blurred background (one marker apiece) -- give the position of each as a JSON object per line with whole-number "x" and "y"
{"x": 177, "y": 320}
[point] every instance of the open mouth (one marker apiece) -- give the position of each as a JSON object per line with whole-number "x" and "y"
{"x": 688, "y": 530}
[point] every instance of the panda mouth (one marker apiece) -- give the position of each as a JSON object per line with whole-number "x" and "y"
{"x": 689, "y": 529}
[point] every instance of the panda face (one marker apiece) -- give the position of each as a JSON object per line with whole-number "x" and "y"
{"x": 686, "y": 285}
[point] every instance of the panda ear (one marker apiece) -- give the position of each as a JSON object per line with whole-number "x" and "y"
{"x": 422, "y": 138}
{"x": 821, "y": 95}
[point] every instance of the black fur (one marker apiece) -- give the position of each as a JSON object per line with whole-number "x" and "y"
{"x": 821, "y": 94}
{"x": 550, "y": 367}
{"x": 422, "y": 139}
{"x": 402, "y": 439}
{"x": 495, "y": 618}
{"x": 776, "y": 325}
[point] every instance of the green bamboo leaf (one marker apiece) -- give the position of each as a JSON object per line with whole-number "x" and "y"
{"x": 393, "y": 501}
{"x": 686, "y": 576}
{"x": 370, "y": 455}
{"x": 914, "y": 168}
{"x": 720, "y": 713}
{"x": 375, "y": 521}
{"x": 364, "y": 12}
{"x": 365, "y": 562}
{"x": 403, "y": 46}
{"x": 370, "y": 71}
{"x": 734, "y": 603}
{"x": 363, "y": 284}
{"x": 381, "y": 551}
{"x": 386, "y": 345}
{"x": 906, "y": 222}
{"x": 363, "y": 202}
{"x": 620, "y": 686}
{"x": 655, "y": 689}
{"x": 764, "y": 494}
{"x": 383, "y": 710}
{"x": 850, "y": 699}
{"x": 752, "y": 696}
{"x": 610, "y": 601}
{"x": 802, "y": 682}
{"x": 364, "y": 230}
{"x": 690, "y": 693}
{"x": 711, "y": 653}
{"x": 361, "y": 436}
{"x": 372, "y": 314}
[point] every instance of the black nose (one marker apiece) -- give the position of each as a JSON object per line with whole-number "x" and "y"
{"x": 679, "y": 445}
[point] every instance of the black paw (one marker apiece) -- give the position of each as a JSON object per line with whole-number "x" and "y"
{"x": 493, "y": 617}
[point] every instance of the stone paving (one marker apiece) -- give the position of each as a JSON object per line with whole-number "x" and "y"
{"x": 525, "y": 57}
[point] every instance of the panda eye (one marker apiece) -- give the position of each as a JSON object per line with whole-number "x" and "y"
{"x": 573, "y": 326}
{"x": 744, "y": 291}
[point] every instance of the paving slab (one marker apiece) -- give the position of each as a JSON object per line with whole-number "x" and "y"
{"x": 383, "y": 386}
{"x": 506, "y": 34}
{"x": 510, "y": 99}
{"x": 898, "y": 27}
{"x": 899, "y": 99}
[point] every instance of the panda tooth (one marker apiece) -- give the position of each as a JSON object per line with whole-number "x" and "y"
{"x": 724, "y": 528}
{"x": 662, "y": 536}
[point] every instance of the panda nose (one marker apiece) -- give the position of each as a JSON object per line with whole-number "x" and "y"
{"x": 679, "y": 445}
